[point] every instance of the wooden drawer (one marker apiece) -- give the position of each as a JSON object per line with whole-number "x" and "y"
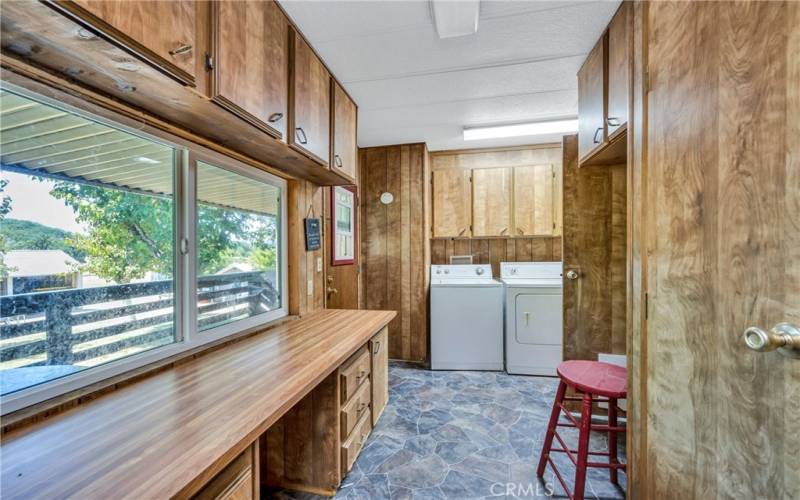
{"x": 358, "y": 405}
{"x": 354, "y": 372}
{"x": 352, "y": 447}
{"x": 237, "y": 481}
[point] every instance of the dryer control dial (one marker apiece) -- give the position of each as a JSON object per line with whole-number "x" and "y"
{"x": 479, "y": 271}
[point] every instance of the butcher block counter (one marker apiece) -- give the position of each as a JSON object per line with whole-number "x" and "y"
{"x": 194, "y": 429}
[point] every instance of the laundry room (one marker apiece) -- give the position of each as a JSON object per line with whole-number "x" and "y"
{"x": 399, "y": 249}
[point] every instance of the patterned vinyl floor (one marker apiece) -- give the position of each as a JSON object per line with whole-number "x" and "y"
{"x": 459, "y": 435}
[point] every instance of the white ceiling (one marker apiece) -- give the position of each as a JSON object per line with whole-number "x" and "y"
{"x": 411, "y": 86}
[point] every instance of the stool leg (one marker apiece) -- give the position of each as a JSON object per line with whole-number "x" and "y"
{"x": 612, "y": 440}
{"x": 551, "y": 428}
{"x": 583, "y": 446}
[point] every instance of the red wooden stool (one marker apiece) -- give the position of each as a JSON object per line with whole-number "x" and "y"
{"x": 600, "y": 383}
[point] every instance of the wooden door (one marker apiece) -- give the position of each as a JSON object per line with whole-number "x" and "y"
{"x": 345, "y": 149}
{"x": 721, "y": 253}
{"x": 591, "y": 101}
{"x": 618, "y": 71}
{"x": 251, "y": 62}
{"x": 164, "y": 32}
{"x": 533, "y": 200}
{"x": 491, "y": 202}
{"x": 311, "y": 103}
{"x": 341, "y": 281}
{"x": 594, "y": 254}
{"x": 379, "y": 350}
{"x": 452, "y": 203}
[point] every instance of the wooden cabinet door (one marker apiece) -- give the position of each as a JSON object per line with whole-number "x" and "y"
{"x": 251, "y": 62}
{"x": 618, "y": 72}
{"x": 311, "y": 103}
{"x": 452, "y": 207}
{"x": 163, "y": 32}
{"x": 379, "y": 349}
{"x": 345, "y": 156}
{"x": 591, "y": 101}
{"x": 533, "y": 200}
{"x": 491, "y": 202}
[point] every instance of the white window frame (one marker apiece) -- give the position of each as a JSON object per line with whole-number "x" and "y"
{"x": 187, "y": 338}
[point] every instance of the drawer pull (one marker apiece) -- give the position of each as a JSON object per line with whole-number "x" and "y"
{"x": 274, "y": 117}
{"x": 360, "y": 375}
{"x": 596, "y": 140}
{"x": 301, "y": 135}
{"x": 183, "y": 49}
{"x": 377, "y": 347}
{"x": 361, "y": 408}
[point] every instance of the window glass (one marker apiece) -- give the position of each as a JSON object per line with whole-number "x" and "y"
{"x": 238, "y": 247}
{"x": 86, "y": 240}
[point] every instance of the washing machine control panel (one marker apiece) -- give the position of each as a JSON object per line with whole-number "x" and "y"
{"x": 462, "y": 270}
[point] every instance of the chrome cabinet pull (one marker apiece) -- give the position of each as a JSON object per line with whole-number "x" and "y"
{"x": 613, "y": 122}
{"x": 182, "y": 49}
{"x": 337, "y": 160}
{"x": 783, "y": 337}
{"x": 596, "y": 140}
{"x": 301, "y": 135}
{"x": 377, "y": 348}
{"x": 274, "y": 117}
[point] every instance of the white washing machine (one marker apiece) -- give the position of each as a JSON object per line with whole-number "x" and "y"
{"x": 533, "y": 316}
{"x": 466, "y": 318}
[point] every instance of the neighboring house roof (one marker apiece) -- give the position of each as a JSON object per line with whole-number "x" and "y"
{"x": 24, "y": 263}
{"x": 237, "y": 267}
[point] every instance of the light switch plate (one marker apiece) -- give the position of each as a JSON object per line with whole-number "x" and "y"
{"x": 319, "y": 264}
{"x": 310, "y": 290}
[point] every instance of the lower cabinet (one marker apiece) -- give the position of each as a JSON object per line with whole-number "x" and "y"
{"x": 237, "y": 481}
{"x": 318, "y": 440}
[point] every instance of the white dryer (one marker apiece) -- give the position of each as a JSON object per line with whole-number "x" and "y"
{"x": 466, "y": 318}
{"x": 533, "y": 316}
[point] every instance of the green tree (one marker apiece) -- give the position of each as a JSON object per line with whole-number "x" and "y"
{"x": 5, "y": 209}
{"x": 130, "y": 234}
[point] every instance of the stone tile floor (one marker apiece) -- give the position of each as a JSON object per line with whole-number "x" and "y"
{"x": 459, "y": 435}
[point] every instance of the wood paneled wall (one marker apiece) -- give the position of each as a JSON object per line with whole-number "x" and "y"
{"x": 496, "y": 250}
{"x": 304, "y": 199}
{"x": 395, "y": 255}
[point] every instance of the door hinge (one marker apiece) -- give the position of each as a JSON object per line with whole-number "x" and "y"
{"x": 646, "y": 306}
{"x": 209, "y": 62}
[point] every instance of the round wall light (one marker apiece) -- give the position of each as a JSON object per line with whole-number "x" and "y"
{"x": 387, "y": 198}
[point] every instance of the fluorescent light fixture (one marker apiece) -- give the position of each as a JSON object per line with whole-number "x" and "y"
{"x": 521, "y": 129}
{"x": 455, "y": 17}
{"x": 144, "y": 159}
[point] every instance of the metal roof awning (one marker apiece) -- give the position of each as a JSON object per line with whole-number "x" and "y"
{"x": 43, "y": 140}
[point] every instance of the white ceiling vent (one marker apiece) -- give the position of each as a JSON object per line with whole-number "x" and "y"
{"x": 455, "y": 17}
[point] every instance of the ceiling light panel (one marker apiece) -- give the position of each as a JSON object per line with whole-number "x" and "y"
{"x": 521, "y": 129}
{"x": 455, "y": 18}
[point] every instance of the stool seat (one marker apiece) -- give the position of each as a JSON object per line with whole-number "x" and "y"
{"x": 595, "y": 377}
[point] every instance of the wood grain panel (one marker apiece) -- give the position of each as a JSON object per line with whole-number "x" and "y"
{"x": 594, "y": 245}
{"x": 592, "y": 101}
{"x": 345, "y": 148}
{"x": 619, "y": 32}
{"x": 252, "y": 62}
{"x": 452, "y": 208}
{"x": 310, "y": 99}
{"x": 491, "y": 202}
{"x": 304, "y": 200}
{"x": 495, "y": 250}
{"x": 533, "y": 200}
{"x": 720, "y": 200}
{"x": 169, "y": 434}
{"x": 508, "y": 157}
{"x": 394, "y": 254}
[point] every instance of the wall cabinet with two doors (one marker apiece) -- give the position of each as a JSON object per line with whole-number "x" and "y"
{"x": 603, "y": 83}
{"x": 244, "y": 56}
{"x": 506, "y": 201}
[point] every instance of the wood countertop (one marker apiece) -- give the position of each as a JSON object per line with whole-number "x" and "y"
{"x": 167, "y": 435}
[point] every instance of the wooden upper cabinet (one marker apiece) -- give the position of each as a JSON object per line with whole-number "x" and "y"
{"x": 591, "y": 101}
{"x": 310, "y": 103}
{"x": 250, "y": 47}
{"x": 491, "y": 202}
{"x": 451, "y": 203}
{"x": 533, "y": 200}
{"x": 618, "y": 71}
{"x": 345, "y": 148}
{"x": 163, "y": 32}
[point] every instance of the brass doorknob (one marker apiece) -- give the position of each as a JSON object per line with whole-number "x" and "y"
{"x": 572, "y": 274}
{"x": 332, "y": 290}
{"x": 783, "y": 337}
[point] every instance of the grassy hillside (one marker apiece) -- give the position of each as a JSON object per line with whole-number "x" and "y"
{"x": 27, "y": 235}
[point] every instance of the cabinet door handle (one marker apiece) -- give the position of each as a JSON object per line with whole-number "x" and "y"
{"x": 462, "y": 231}
{"x": 504, "y": 230}
{"x": 337, "y": 160}
{"x": 301, "y": 135}
{"x": 182, "y": 49}
{"x": 377, "y": 348}
{"x": 520, "y": 231}
{"x": 612, "y": 122}
{"x": 274, "y": 117}
{"x": 596, "y": 140}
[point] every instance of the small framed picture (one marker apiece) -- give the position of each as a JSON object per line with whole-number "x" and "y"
{"x": 344, "y": 232}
